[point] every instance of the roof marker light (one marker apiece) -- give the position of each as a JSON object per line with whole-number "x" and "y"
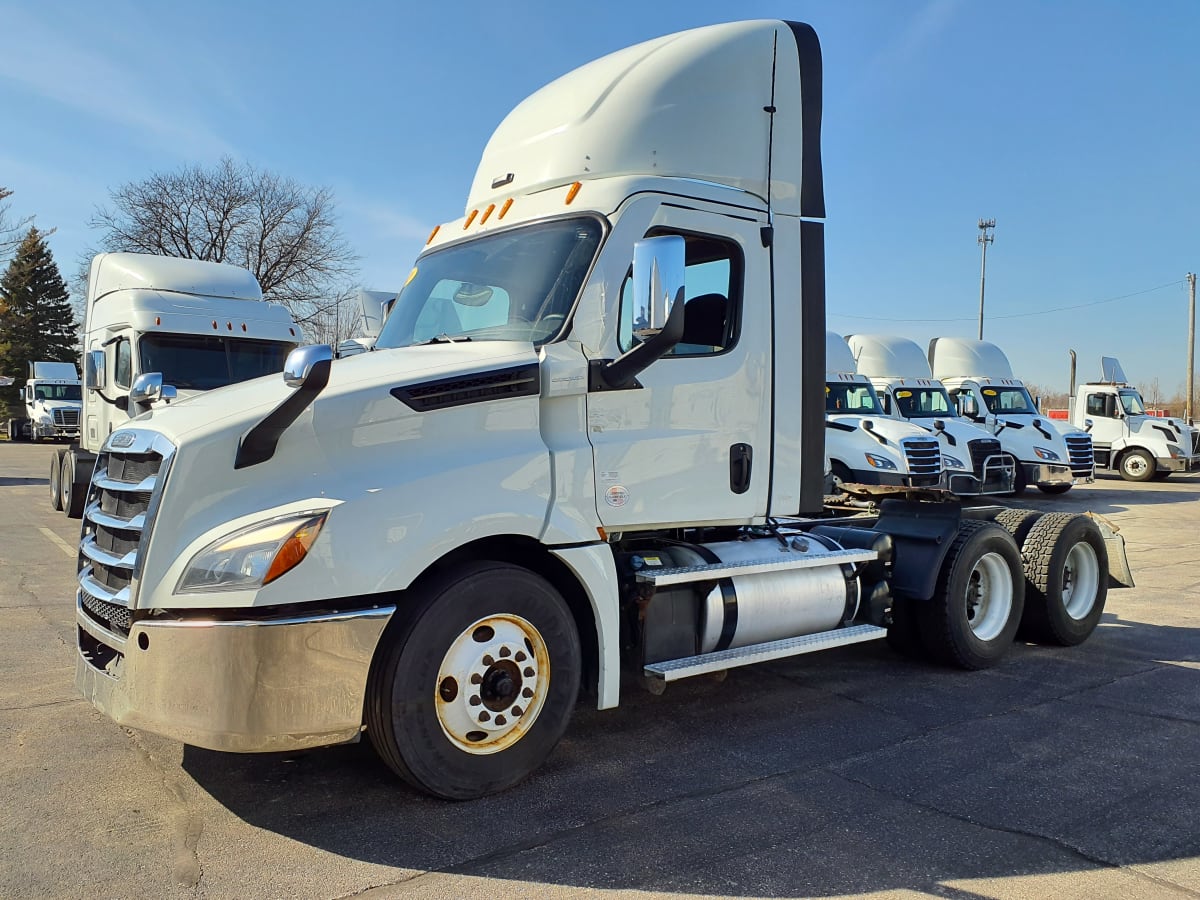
{"x": 243, "y": 326}
{"x": 158, "y": 320}
{"x": 487, "y": 212}
{"x": 229, "y": 325}
{"x": 504, "y": 208}
{"x": 214, "y": 323}
{"x": 470, "y": 219}
{"x": 572, "y": 191}
{"x": 433, "y": 234}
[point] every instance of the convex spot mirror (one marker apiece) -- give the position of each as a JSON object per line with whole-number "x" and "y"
{"x": 149, "y": 387}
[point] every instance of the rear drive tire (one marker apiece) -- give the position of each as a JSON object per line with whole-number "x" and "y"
{"x": 972, "y": 618}
{"x": 1137, "y": 465}
{"x": 1066, "y": 579}
{"x": 1017, "y": 522}
{"x": 56, "y": 461}
{"x": 471, "y": 691}
{"x": 73, "y": 493}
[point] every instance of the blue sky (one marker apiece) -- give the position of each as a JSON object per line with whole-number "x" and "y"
{"x": 1075, "y": 125}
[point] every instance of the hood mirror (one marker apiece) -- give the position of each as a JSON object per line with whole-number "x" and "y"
{"x": 300, "y": 363}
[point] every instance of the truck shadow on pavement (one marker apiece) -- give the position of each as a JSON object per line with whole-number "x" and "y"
{"x": 22, "y": 482}
{"x": 852, "y": 771}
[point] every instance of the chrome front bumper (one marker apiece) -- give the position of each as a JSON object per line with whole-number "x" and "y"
{"x": 1179, "y": 464}
{"x": 245, "y": 685}
{"x": 1047, "y": 473}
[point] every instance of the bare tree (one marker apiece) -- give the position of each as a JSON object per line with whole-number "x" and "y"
{"x": 283, "y": 232}
{"x": 11, "y": 233}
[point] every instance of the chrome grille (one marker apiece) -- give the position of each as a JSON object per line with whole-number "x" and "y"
{"x": 66, "y": 418}
{"x": 1079, "y": 448}
{"x": 980, "y": 450}
{"x": 120, "y": 505}
{"x": 924, "y": 456}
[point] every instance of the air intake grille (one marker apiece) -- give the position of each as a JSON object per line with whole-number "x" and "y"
{"x": 518, "y": 381}
{"x": 924, "y": 456}
{"x": 1079, "y": 446}
{"x": 981, "y": 449}
{"x": 66, "y": 418}
{"x": 122, "y": 493}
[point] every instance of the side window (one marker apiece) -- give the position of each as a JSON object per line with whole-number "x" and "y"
{"x": 1095, "y": 405}
{"x": 712, "y": 299}
{"x": 885, "y": 400}
{"x": 123, "y": 364}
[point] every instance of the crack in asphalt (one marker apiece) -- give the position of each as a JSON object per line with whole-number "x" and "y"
{"x": 68, "y": 700}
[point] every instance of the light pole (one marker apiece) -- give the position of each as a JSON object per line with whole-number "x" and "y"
{"x": 985, "y": 237}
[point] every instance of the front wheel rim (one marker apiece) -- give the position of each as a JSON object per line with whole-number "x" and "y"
{"x": 989, "y": 596}
{"x": 492, "y": 684}
{"x": 1135, "y": 465}
{"x": 1081, "y": 581}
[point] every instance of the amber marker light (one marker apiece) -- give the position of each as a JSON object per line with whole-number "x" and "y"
{"x": 295, "y": 548}
{"x": 158, "y": 320}
{"x": 433, "y": 234}
{"x": 470, "y": 219}
{"x": 504, "y": 208}
{"x": 572, "y": 191}
{"x": 487, "y": 212}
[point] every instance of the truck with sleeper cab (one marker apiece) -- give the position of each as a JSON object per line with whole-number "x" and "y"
{"x": 159, "y": 329}
{"x": 589, "y": 442}
{"x": 52, "y": 401}
{"x": 980, "y": 381}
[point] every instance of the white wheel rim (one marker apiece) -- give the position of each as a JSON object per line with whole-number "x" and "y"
{"x": 492, "y": 684}
{"x": 1080, "y": 581}
{"x": 989, "y": 596}
{"x": 1135, "y": 465}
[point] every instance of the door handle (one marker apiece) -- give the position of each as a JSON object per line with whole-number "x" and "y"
{"x": 741, "y": 458}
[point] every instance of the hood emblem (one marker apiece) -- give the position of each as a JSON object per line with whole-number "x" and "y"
{"x": 121, "y": 439}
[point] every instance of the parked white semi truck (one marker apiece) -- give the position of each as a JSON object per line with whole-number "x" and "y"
{"x": 865, "y": 446}
{"x": 973, "y": 458}
{"x": 158, "y": 328}
{"x": 52, "y": 402}
{"x": 589, "y": 440}
{"x": 1125, "y": 439}
{"x": 980, "y": 381}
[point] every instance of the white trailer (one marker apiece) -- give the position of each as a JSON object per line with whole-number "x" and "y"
{"x": 589, "y": 441}
{"x": 974, "y": 459}
{"x": 52, "y": 403}
{"x": 980, "y": 381}
{"x": 158, "y": 329}
{"x": 1125, "y": 439}
{"x": 865, "y": 446}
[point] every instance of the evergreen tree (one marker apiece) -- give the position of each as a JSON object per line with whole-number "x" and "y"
{"x": 36, "y": 320}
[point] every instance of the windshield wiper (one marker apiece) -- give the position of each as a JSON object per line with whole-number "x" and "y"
{"x": 444, "y": 338}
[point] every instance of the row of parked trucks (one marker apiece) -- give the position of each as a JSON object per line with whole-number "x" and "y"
{"x": 587, "y": 450}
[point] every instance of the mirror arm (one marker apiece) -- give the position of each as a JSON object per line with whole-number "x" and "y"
{"x": 620, "y": 372}
{"x": 258, "y": 444}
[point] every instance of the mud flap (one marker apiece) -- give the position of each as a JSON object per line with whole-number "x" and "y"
{"x": 1119, "y": 573}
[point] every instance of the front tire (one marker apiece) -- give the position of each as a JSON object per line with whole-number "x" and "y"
{"x": 1019, "y": 483}
{"x": 1137, "y": 465}
{"x": 473, "y": 689}
{"x": 56, "y": 461}
{"x": 1066, "y": 571}
{"x": 972, "y": 618}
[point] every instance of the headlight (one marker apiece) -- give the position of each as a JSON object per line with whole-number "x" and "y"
{"x": 252, "y": 556}
{"x": 1048, "y": 455}
{"x": 1174, "y": 451}
{"x": 952, "y": 462}
{"x": 879, "y": 462}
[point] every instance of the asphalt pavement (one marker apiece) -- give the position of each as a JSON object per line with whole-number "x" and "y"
{"x": 1062, "y": 772}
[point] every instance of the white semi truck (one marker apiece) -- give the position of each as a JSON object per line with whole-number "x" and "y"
{"x": 158, "y": 328}
{"x": 974, "y": 459}
{"x": 52, "y": 402}
{"x": 980, "y": 381}
{"x": 865, "y": 446}
{"x": 589, "y": 441}
{"x": 1125, "y": 439}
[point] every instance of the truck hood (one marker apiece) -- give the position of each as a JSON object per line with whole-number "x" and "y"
{"x": 885, "y": 426}
{"x": 239, "y": 407}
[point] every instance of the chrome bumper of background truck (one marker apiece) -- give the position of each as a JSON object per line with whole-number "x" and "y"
{"x": 1047, "y": 473}
{"x": 1180, "y": 464}
{"x": 244, "y": 685}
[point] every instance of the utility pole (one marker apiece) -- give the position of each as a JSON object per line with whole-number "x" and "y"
{"x": 1191, "y": 280}
{"x": 986, "y": 226}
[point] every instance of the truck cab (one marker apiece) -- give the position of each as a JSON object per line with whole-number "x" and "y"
{"x": 866, "y": 446}
{"x": 974, "y": 461}
{"x": 979, "y": 379}
{"x": 1127, "y": 440}
{"x": 52, "y": 403}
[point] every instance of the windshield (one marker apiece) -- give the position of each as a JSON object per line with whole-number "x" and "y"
{"x": 1132, "y": 401}
{"x": 923, "y": 403}
{"x": 201, "y": 363}
{"x": 1001, "y": 400}
{"x": 841, "y": 397}
{"x": 515, "y": 286}
{"x": 57, "y": 392}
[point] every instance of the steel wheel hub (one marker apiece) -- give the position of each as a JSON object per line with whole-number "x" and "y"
{"x": 492, "y": 684}
{"x": 1081, "y": 580}
{"x": 989, "y": 596}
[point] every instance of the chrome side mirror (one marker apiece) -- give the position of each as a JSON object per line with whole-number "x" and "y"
{"x": 148, "y": 387}
{"x": 1087, "y": 425}
{"x": 93, "y": 370}
{"x": 301, "y": 361}
{"x": 658, "y": 278}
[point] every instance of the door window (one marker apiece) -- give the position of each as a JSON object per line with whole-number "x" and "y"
{"x": 1095, "y": 405}
{"x": 123, "y": 366}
